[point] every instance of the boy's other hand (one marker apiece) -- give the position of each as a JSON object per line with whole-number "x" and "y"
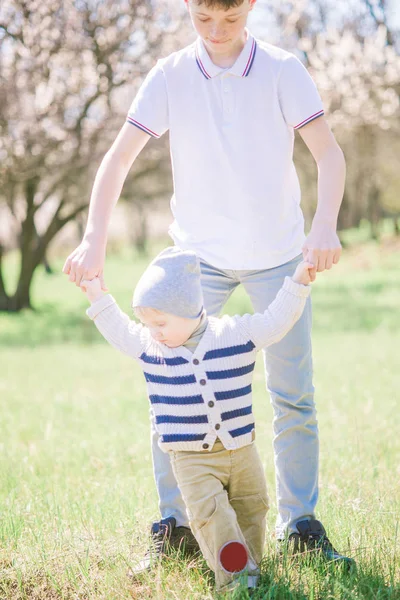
{"x": 86, "y": 262}
{"x": 92, "y": 289}
{"x": 304, "y": 273}
{"x": 322, "y": 247}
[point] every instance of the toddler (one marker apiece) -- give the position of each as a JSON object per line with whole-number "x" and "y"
{"x": 198, "y": 371}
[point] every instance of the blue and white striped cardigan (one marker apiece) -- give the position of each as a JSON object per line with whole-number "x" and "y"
{"x": 197, "y": 397}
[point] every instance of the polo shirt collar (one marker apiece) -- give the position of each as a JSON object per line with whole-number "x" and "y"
{"x": 241, "y": 67}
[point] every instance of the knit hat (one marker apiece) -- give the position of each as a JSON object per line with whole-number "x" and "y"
{"x": 171, "y": 283}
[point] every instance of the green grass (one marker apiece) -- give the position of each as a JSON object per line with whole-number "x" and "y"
{"x": 76, "y": 486}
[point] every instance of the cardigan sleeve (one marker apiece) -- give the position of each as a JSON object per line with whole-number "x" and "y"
{"x": 269, "y": 327}
{"x": 117, "y": 328}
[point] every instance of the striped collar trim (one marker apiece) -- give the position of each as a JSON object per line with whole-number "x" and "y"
{"x": 242, "y": 66}
{"x": 250, "y": 59}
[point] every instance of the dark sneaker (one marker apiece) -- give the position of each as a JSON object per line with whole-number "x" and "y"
{"x": 312, "y": 539}
{"x": 160, "y": 532}
{"x": 165, "y": 536}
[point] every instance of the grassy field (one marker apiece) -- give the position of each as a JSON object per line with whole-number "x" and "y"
{"x": 76, "y": 490}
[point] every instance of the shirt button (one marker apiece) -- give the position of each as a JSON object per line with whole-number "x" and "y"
{"x": 195, "y": 361}
{"x": 211, "y": 403}
{"x": 218, "y": 426}
{"x": 205, "y": 446}
{"x": 203, "y": 382}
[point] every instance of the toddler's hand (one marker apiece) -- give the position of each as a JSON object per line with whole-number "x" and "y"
{"x": 92, "y": 289}
{"x": 302, "y": 273}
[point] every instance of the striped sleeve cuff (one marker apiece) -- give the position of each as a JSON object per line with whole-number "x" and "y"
{"x": 297, "y": 289}
{"x": 97, "y": 307}
{"x": 312, "y": 118}
{"x": 133, "y": 121}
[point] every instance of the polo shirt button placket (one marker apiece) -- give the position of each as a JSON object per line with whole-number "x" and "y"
{"x": 226, "y": 97}
{"x": 228, "y": 106}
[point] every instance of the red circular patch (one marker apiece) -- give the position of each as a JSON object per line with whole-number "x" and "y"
{"x": 233, "y": 557}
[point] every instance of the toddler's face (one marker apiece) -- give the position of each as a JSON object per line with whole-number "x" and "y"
{"x": 166, "y": 328}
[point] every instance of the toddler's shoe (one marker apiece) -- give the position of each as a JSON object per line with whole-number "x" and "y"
{"x": 244, "y": 582}
{"x": 166, "y": 538}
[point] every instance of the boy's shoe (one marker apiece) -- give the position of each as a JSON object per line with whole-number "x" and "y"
{"x": 312, "y": 539}
{"x": 165, "y": 537}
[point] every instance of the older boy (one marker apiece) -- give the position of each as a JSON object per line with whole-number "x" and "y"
{"x": 231, "y": 104}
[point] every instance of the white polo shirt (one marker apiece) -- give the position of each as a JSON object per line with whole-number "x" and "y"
{"x": 236, "y": 199}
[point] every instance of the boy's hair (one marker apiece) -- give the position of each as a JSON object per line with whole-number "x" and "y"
{"x": 226, "y": 4}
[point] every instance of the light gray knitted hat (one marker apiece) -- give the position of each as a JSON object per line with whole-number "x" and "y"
{"x": 171, "y": 283}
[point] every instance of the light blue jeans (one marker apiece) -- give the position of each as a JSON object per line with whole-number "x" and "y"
{"x": 288, "y": 367}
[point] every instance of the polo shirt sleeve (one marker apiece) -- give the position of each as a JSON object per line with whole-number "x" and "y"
{"x": 117, "y": 328}
{"x": 298, "y": 95}
{"x": 149, "y": 109}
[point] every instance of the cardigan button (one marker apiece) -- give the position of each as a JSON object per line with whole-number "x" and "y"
{"x": 218, "y": 426}
{"x": 196, "y": 361}
{"x": 211, "y": 404}
{"x": 205, "y": 446}
{"x": 203, "y": 382}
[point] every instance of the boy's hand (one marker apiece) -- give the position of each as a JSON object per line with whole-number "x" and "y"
{"x": 92, "y": 289}
{"x": 304, "y": 273}
{"x": 86, "y": 262}
{"x": 322, "y": 247}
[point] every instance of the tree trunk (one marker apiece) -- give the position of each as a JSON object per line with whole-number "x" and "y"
{"x": 33, "y": 250}
{"x": 21, "y": 299}
{"x": 47, "y": 266}
{"x": 45, "y": 262}
{"x": 3, "y": 294}
{"x": 396, "y": 226}
{"x": 28, "y": 248}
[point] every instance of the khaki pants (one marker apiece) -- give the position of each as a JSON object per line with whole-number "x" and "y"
{"x": 226, "y": 499}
